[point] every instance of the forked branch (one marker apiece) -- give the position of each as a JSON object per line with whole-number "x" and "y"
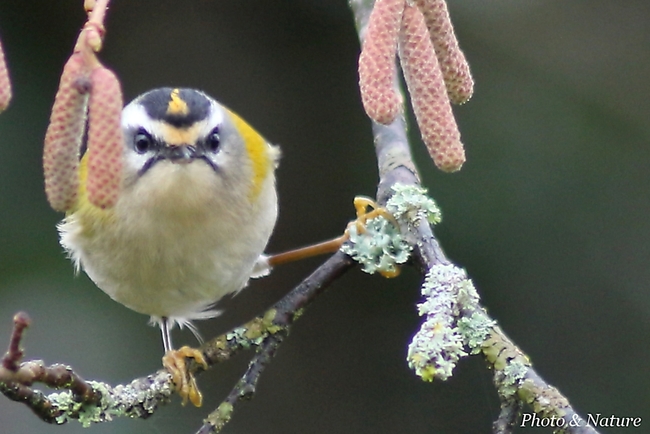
{"x": 455, "y": 323}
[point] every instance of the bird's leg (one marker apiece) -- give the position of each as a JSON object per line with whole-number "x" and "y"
{"x": 361, "y": 205}
{"x": 175, "y": 361}
{"x": 321, "y": 248}
{"x": 165, "y": 329}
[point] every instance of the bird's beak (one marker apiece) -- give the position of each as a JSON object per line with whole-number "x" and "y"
{"x": 182, "y": 154}
{"x": 178, "y": 154}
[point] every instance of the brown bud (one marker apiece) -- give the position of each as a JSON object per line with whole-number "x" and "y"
{"x": 94, "y": 34}
{"x": 105, "y": 142}
{"x": 428, "y": 93}
{"x": 89, "y": 5}
{"x": 377, "y": 68}
{"x": 5, "y": 84}
{"x": 64, "y": 135}
{"x": 454, "y": 66}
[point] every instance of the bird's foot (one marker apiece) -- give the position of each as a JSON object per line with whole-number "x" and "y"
{"x": 361, "y": 205}
{"x": 175, "y": 361}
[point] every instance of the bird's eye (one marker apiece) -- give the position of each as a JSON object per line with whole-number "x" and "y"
{"x": 213, "y": 140}
{"x": 143, "y": 142}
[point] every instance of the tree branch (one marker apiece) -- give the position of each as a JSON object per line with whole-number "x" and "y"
{"x": 517, "y": 383}
{"x": 456, "y": 323}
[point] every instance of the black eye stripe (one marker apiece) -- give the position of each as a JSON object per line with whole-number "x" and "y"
{"x": 147, "y": 165}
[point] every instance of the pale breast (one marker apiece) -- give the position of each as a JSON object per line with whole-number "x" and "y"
{"x": 171, "y": 261}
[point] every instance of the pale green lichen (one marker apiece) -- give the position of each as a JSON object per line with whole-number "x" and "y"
{"x": 64, "y": 401}
{"x": 410, "y": 202}
{"x": 435, "y": 350}
{"x": 254, "y": 332}
{"x": 545, "y": 400}
{"x": 438, "y": 345}
{"x": 467, "y": 295}
{"x": 134, "y": 400}
{"x": 513, "y": 376}
{"x": 378, "y": 248}
{"x": 87, "y": 414}
{"x": 239, "y": 336}
{"x": 220, "y": 417}
{"x": 475, "y": 330}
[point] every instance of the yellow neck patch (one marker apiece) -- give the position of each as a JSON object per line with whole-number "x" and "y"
{"x": 257, "y": 150}
{"x": 92, "y": 217}
{"x": 176, "y": 105}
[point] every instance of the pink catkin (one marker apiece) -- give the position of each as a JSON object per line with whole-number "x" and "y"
{"x": 377, "y": 69}
{"x": 453, "y": 64}
{"x": 428, "y": 93}
{"x": 5, "y": 83}
{"x": 105, "y": 142}
{"x": 63, "y": 137}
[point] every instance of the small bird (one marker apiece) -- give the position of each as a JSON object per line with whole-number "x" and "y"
{"x": 195, "y": 211}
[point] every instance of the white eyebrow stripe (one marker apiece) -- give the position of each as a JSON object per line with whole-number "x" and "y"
{"x": 217, "y": 113}
{"x": 135, "y": 116}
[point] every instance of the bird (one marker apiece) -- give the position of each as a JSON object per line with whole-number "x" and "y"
{"x": 196, "y": 207}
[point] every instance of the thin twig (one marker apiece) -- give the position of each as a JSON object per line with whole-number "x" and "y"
{"x": 14, "y": 354}
{"x": 267, "y": 333}
{"x": 16, "y": 379}
{"x": 508, "y": 417}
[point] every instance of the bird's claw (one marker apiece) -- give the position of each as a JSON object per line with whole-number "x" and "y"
{"x": 175, "y": 361}
{"x": 361, "y": 205}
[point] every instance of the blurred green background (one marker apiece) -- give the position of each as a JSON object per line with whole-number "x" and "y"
{"x": 549, "y": 215}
